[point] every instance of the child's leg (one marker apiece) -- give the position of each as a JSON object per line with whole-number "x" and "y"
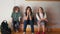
{"x": 13, "y": 26}
{"x": 38, "y": 26}
{"x": 17, "y": 27}
{"x": 32, "y": 26}
{"x": 25, "y": 25}
{"x": 38, "y": 23}
{"x": 14, "y": 22}
{"x": 43, "y": 27}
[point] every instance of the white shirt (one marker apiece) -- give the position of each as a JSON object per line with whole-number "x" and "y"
{"x": 41, "y": 16}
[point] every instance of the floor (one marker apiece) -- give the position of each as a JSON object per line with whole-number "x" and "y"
{"x": 50, "y": 32}
{"x": 35, "y": 33}
{"x": 29, "y": 29}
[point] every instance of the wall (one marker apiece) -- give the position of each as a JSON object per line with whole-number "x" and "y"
{"x": 5, "y": 9}
{"x": 52, "y": 9}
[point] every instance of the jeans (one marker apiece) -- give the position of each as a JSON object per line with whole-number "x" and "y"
{"x": 16, "y": 25}
{"x": 31, "y": 23}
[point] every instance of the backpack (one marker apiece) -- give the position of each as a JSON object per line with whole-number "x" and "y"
{"x": 4, "y": 28}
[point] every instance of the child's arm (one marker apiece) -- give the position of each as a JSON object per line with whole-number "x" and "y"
{"x": 25, "y": 17}
{"x": 45, "y": 17}
{"x": 20, "y": 16}
{"x": 12, "y": 17}
{"x": 37, "y": 17}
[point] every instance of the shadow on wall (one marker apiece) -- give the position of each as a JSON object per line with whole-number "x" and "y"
{"x": 50, "y": 17}
{"x": 22, "y": 12}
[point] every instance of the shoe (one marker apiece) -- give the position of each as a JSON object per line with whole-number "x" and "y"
{"x": 43, "y": 32}
{"x": 24, "y": 32}
{"x": 38, "y": 33}
{"x": 17, "y": 31}
{"x": 32, "y": 33}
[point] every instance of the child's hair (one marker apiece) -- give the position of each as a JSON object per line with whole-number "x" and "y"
{"x": 29, "y": 10}
{"x": 42, "y": 10}
{"x": 15, "y": 8}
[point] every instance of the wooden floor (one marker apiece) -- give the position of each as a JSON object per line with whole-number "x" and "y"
{"x": 51, "y": 31}
{"x": 35, "y": 33}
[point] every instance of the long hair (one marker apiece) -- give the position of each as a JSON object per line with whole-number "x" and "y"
{"x": 42, "y": 10}
{"x": 15, "y": 8}
{"x": 29, "y": 10}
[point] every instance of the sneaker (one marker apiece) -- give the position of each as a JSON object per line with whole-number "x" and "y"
{"x": 17, "y": 31}
{"x": 38, "y": 33}
{"x": 32, "y": 33}
{"x": 43, "y": 33}
{"x": 24, "y": 32}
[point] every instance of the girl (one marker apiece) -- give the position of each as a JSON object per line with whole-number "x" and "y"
{"x": 28, "y": 19}
{"x": 41, "y": 18}
{"x": 16, "y": 15}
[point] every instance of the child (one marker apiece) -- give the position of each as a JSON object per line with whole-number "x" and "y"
{"x": 28, "y": 19}
{"x": 41, "y": 18}
{"x": 16, "y": 15}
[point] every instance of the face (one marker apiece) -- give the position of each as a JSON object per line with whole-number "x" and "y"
{"x": 16, "y": 10}
{"x": 28, "y": 10}
{"x": 40, "y": 10}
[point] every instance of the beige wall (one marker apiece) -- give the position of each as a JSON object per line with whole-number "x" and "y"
{"x": 42, "y": 0}
{"x": 52, "y": 9}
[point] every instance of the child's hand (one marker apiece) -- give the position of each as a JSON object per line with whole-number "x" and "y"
{"x": 46, "y": 20}
{"x": 25, "y": 18}
{"x": 30, "y": 18}
{"x": 43, "y": 19}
